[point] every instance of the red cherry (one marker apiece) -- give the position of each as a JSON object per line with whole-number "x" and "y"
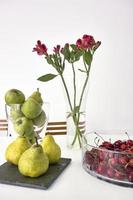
{"x": 110, "y": 154}
{"x": 119, "y": 175}
{"x": 112, "y": 161}
{"x": 110, "y": 173}
{"x": 107, "y": 145}
{"x": 101, "y": 155}
{"x": 117, "y": 143}
{"x": 95, "y": 165}
{"x": 129, "y": 143}
{"x": 130, "y": 177}
{"x": 131, "y": 162}
{"x": 101, "y": 168}
{"x": 130, "y": 151}
{"x": 123, "y": 146}
{"x": 123, "y": 160}
{"x": 88, "y": 158}
{"x": 128, "y": 169}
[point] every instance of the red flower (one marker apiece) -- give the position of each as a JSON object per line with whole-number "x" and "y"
{"x": 87, "y": 42}
{"x": 57, "y": 49}
{"x": 40, "y": 48}
{"x": 79, "y": 43}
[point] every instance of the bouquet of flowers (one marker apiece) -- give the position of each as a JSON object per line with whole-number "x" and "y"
{"x": 70, "y": 54}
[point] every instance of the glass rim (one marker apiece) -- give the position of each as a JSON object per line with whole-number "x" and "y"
{"x": 85, "y": 144}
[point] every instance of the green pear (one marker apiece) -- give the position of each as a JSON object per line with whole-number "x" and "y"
{"x": 14, "y": 96}
{"x": 15, "y": 112}
{"x": 37, "y": 97}
{"x": 31, "y": 137}
{"x": 51, "y": 148}
{"x": 40, "y": 120}
{"x": 16, "y": 149}
{"x": 33, "y": 162}
{"x": 23, "y": 126}
{"x": 31, "y": 108}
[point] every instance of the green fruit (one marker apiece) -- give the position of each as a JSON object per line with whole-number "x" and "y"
{"x": 37, "y": 97}
{"x": 23, "y": 126}
{"x": 14, "y": 96}
{"x": 51, "y": 148}
{"x": 31, "y": 137}
{"x": 16, "y": 149}
{"x": 40, "y": 120}
{"x": 31, "y": 108}
{"x": 33, "y": 162}
{"x": 15, "y": 112}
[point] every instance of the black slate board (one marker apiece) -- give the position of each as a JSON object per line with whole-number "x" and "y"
{"x": 9, "y": 174}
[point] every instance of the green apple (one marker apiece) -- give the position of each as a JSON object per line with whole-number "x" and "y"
{"x": 31, "y": 108}
{"x": 14, "y": 96}
{"x": 23, "y": 126}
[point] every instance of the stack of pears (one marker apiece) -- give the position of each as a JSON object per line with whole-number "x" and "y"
{"x": 33, "y": 160}
{"x": 25, "y": 114}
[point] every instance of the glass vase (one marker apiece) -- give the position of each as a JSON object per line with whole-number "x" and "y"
{"x": 75, "y": 98}
{"x": 75, "y": 130}
{"x": 13, "y": 113}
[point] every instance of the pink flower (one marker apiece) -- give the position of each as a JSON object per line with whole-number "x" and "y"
{"x": 57, "y": 49}
{"x": 79, "y": 43}
{"x": 40, "y": 48}
{"x": 87, "y": 42}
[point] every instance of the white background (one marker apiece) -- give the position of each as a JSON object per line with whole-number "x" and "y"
{"x": 22, "y": 23}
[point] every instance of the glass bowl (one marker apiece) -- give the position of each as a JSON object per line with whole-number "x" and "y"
{"x": 13, "y": 112}
{"x": 108, "y": 155}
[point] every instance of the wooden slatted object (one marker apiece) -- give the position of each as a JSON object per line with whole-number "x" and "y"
{"x": 53, "y": 128}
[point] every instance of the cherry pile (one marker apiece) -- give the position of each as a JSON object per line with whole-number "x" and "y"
{"x": 113, "y": 160}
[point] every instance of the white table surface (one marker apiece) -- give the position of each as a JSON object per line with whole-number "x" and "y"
{"x": 73, "y": 183}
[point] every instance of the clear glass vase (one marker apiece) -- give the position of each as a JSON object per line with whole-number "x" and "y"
{"x": 75, "y": 98}
{"x": 75, "y": 130}
{"x": 13, "y": 112}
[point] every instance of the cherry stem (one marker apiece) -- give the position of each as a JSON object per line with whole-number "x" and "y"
{"x": 99, "y": 136}
{"x": 96, "y": 142}
{"x": 127, "y": 135}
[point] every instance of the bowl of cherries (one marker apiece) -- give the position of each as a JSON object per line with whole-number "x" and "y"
{"x": 108, "y": 155}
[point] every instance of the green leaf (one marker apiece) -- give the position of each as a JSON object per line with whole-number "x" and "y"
{"x": 73, "y": 46}
{"x": 56, "y": 61}
{"x": 66, "y": 53}
{"x": 46, "y": 77}
{"x": 88, "y": 57}
{"x": 82, "y": 70}
{"x": 49, "y": 60}
{"x": 69, "y": 115}
{"x": 78, "y": 54}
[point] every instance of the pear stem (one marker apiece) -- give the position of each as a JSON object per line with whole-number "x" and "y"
{"x": 37, "y": 89}
{"x": 36, "y": 141}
